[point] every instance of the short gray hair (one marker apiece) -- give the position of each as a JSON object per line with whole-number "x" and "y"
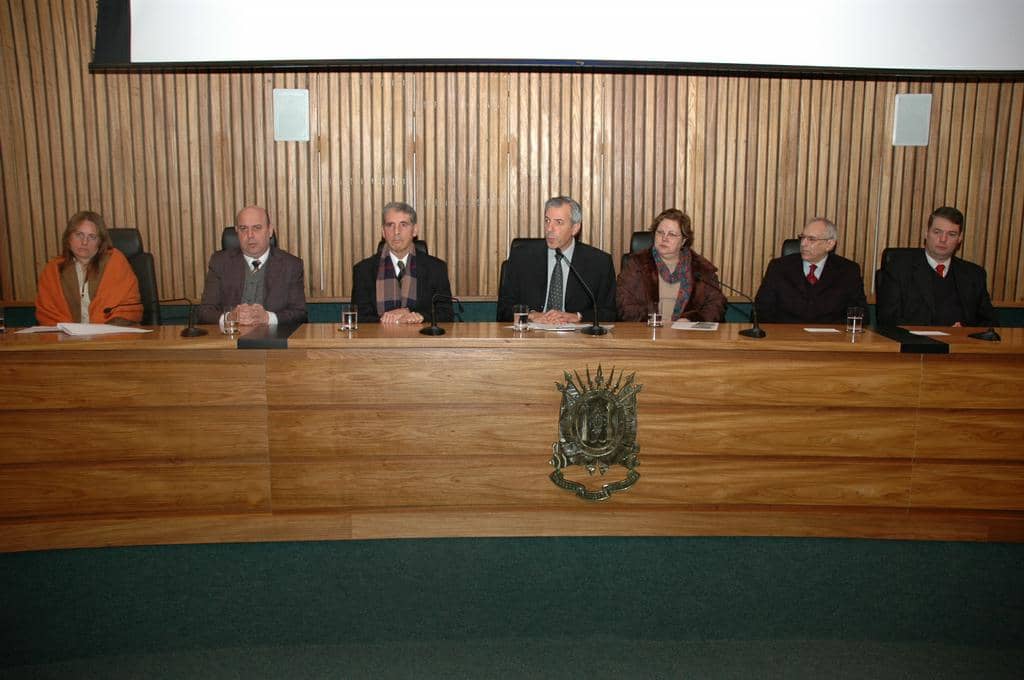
{"x": 831, "y": 231}
{"x": 575, "y": 211}
{"x": 400, "y": 207}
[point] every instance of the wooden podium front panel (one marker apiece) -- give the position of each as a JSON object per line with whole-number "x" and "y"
{"x": 388, "y": 433}
{"x": 389, "y": 419}
{"x": 132, "y": 433}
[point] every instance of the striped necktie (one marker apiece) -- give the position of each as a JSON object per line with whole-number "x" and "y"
{"x": 555, "y": 289}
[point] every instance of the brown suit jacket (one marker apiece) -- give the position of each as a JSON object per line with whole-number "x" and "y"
{"x": 284, "y": 288}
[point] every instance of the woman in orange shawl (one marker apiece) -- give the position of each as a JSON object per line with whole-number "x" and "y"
{"x": 89, "y": 277}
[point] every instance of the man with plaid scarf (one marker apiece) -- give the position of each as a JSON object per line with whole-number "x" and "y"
{"x": 398, "y": 283}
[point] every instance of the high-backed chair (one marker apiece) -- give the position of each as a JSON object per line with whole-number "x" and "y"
{"x": 790, "y": 246}
{"x": 229, "y": 239}
{"x": 516, "y": 242}
{"x": 129, "y": 242}
{"x": 888, "y": 255}
{"x": 640, "y": 240}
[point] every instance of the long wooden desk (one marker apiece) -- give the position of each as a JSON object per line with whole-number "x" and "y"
{"x": 387, "y": 433}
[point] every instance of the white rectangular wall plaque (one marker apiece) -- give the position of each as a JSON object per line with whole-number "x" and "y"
{"x": 291, "y": 115}
{"x": 913, "y": 120}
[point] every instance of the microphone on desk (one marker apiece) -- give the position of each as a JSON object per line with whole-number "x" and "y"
{"x": 434, "y": 329}
{"x": 990, "y": 335}
{"x": 122, "y": 305}
{"x": 190, "y": 330}
{"x": 596, "y": 328}
{"x": 755, "y": 331}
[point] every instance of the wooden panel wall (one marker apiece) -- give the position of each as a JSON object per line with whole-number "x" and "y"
{"x": 477, "y": 153}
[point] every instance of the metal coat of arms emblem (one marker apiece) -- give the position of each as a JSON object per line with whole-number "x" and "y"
{"x": 596, "y": 429}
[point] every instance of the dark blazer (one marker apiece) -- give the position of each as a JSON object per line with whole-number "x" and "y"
{"x": 284, "y": 287}
{"x": 526, "y": 280}
{"x": 637, "y": 289}
{"x": 785, "y": 296}
{"x": 431, "y": 278}
{"x": 905, "y": 296}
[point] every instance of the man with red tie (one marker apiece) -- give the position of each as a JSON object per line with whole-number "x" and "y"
{"x": 814, "y": 285}
{"x": 932, "y": 287}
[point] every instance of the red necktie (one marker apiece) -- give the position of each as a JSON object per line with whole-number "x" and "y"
{"x": 940, "y": 269}
{"x": 811, "y": 278}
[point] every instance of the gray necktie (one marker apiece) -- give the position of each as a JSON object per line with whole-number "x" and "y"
{"x": 401, "y": 270}
{"x": 555, "y": 289}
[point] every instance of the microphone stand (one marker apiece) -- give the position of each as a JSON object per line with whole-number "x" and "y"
{"x": 990, "y": 335}
{"x": 190, "y": 331}
{"x": 434, "y": 329}
{"x": 596, "y": 328}
{"x": 755, "y": 331}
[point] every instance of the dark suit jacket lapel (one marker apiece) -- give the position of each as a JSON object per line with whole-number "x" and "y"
{"x": 965, "y": 289}
{"x": 795, "y": 273}
{"x": 538, "y": 277}
{"x": 236, "y": 270}
{"x": 829, "y": 275}
{"x": 922, "y": 279}
{"x": 273, "y": 275}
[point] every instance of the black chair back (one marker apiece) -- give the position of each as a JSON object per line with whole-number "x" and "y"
{"x": 638, "y": 242}
{"x": 641, "y": 240}
{"x": 229, "y": 239}
{"x": 516, "y": 242}
{"x": 889, "y": 254}
{"x": 790, "y": 246}
{"x": 129, "y": 242}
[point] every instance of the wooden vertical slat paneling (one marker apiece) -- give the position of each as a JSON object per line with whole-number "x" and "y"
{"x": 477, "y": 153}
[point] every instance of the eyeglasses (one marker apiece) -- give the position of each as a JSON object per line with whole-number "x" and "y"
{"x": 85, "y": 238}
{"x": 812, "y": 239}
{"x": 671, "y": 236}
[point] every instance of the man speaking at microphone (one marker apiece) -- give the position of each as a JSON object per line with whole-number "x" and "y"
{"x": 537, "y": 277}
{"x": 265, "y": 283}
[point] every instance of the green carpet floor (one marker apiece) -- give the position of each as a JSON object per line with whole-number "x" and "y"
{"x": 610, "y": 607}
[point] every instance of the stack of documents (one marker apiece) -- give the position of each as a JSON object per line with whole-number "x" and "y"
{"x": 85, "y": 329}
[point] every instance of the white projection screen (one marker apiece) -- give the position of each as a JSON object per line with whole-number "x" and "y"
{"x": 875, "y": 35}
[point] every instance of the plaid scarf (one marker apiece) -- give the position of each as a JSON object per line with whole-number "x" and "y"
{"x": 683, "y": 274}
{"x": 391, "y": 295}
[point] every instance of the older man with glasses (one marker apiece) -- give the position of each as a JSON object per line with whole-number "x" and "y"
{"x": 814, "y": 285}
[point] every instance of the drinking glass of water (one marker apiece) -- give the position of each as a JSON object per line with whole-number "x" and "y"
{"x": 521, "y": 317}
{"x": 349, "y": 317}
{"x": 230, "y": 324}
{"x": 854, "y": 319}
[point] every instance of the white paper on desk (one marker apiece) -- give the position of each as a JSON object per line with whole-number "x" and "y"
{"x": 98, "y": 329}
{"x": 821, "y": 330}
{"x": 39, "y": 329}
{"x": 928, "y": 333}
{"x": 687, "y": 325}
{"x": 558, "y": 327}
